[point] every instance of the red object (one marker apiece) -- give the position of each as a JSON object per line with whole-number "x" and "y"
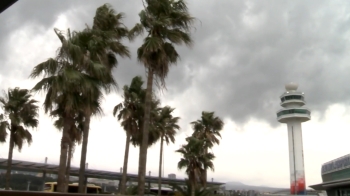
{"x": 292, "y": 188}
{"x": 298, "y": 187}
{"x": 301, "y": 185}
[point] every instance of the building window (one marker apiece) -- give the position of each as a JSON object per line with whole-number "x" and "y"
{"x": 292, "y": 97}
{"x": 293, "y": 111}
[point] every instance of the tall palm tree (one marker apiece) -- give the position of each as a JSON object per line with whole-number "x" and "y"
{"x": 101, "y": 44}
{"x": 195, "y": 161}
{"x": 91, "y": 107}
{"x": 208, "y": 128}
{"x": 131, "y": 112}
{"x": 75, "y": 135}
{"x": 154, "y": 133}
{"x": 167, "y": 125}
{"x": 64, "y": 83}
{"x": 167, "y": 22}
{"x": 128, "y": 111}
{"x": 80, "y": 71}
{"x": 22, "y": 112}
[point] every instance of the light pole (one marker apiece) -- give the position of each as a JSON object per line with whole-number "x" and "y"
{"x": 28, "y": 185}
{"x": 120, "y": 180}
{"x": 44, "y": 174}
{"x": 149, "y": 181}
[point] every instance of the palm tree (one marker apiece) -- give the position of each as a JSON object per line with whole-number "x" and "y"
{"x": 187, "y": 190}
{"x": 80, "y": 71}
{"x": 101, "y": 44}
{"x": 154, "y": 133}
{"x": 75, "y": 135}
{"x": 208, "y": 128}
{"x": 64, "y": 83}
{"x": 195, "y": 160}
{"x": 167, "y": 22}
{"x": 4, "y": 125}
{"x": 167, "y": 125}
{"x": 131, "y": 112}
{"x": 128, "y": 111}
{"x": 22, "y": 112}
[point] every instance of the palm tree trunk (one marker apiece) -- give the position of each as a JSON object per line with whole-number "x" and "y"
{"x": 160, "y": 167}
{"x": 193, "y": 187}
{"x": 125, "y": 166}
{"x": 9, "y": 162}
{"x": 70, "y": 149}
{"x": 205, "y": 171}
{"x": 86, "y": 128}
{"x": 65, "y": 141}
{"x": 144, "y": 144}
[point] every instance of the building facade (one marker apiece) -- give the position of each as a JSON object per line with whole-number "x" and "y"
{"x": 335, "y": 177}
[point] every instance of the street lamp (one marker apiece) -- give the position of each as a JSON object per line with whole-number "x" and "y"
{"x": 149, "y": 181}
{"x": 120, "y": 180}
{"x": 28, "y": 185}
{"x": 44, "y": 174}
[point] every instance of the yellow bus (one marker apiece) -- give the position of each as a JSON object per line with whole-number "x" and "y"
{"x": 72, "y": 188}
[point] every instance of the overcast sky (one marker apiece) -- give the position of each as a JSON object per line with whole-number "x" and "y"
{"x": 244, "y": 53}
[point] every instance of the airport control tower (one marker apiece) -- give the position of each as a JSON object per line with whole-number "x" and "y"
{"x": 293, "y": 114}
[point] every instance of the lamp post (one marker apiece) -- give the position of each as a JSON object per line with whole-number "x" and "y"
{"x": 149, "y": 181}
{"x": 28, "y": 185}
{"x": 44, "y": 174}
{"x": 120, "y": 180}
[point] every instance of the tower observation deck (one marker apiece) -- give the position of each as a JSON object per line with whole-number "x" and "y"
{"x": 293, "y": 114}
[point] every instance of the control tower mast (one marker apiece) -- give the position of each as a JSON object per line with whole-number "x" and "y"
{"x": 293, "y": 114}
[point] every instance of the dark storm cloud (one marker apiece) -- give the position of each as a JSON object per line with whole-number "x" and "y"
{"x": 40, "y": 15}
{"x": 241, "y": 68}
{"x": 244, "y": 52}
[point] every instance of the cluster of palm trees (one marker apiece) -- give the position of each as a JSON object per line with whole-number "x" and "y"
{"x": 163, "y": 125}
{"x": 76, "y": 79}
{"x": 195, "y": 156}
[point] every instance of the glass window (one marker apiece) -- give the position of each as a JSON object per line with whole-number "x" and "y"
{"x": 292, "y": 97}
{"x": 293, "y": 111}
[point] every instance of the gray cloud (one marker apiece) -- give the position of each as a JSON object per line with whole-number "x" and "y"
{"x": 243, "y": 55}
{"x": 303, "y": 42}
